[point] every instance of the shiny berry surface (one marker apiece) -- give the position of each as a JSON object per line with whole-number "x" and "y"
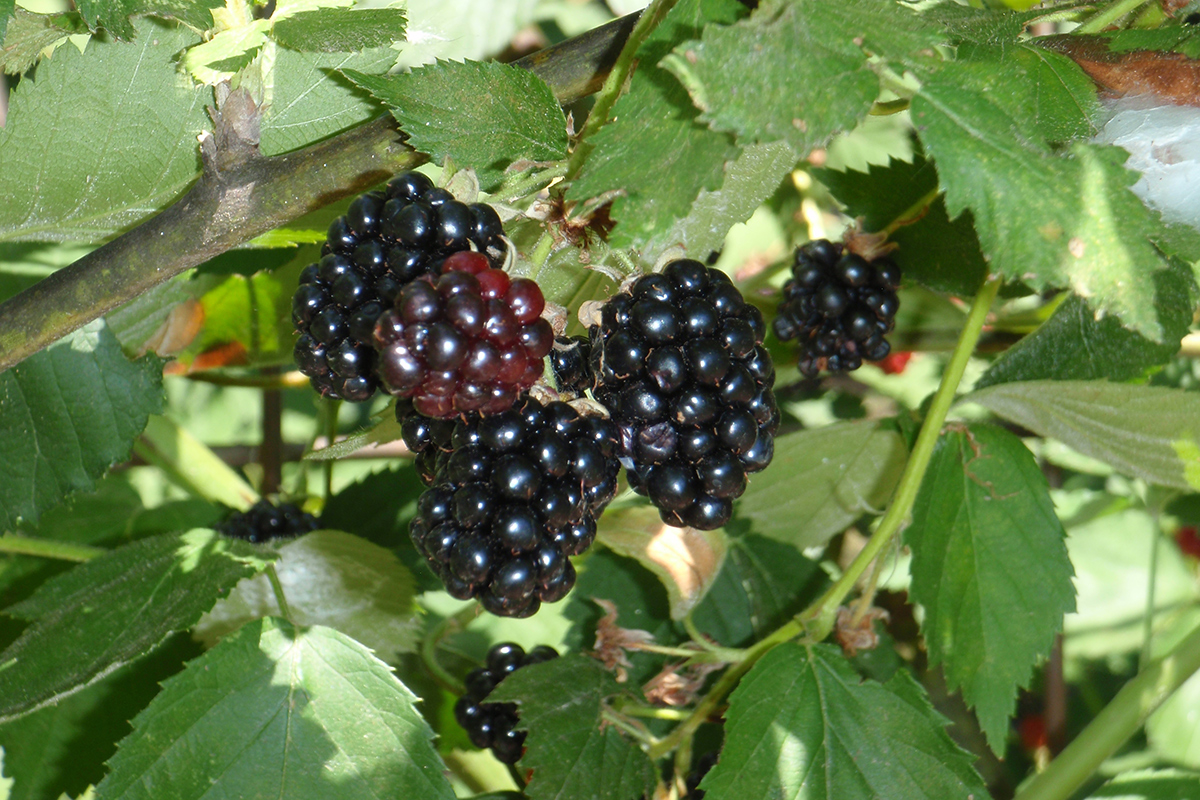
{"x": 493, "y": 725}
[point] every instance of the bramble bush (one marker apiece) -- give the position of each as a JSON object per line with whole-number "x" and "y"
{"x": 969, "y": 571}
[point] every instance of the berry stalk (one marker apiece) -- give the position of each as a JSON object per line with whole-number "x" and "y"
{"x": 47, "y": 548}
{"x": 819, "y": 617}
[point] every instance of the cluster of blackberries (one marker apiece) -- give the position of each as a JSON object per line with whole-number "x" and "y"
{"x": 679, "y": 362}
{"x": 470, "y": 341}
{"x": 264, "y": 521}
{"x": 492, "y": 725}
{"x": 840, "y": 306}
{"x": 515, "y": 494}
{"x": 383, "y": 242}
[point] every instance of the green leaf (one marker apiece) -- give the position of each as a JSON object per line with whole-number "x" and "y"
{"x": 193, "y": 464}
{"x": 100, "y": 140}
{"x": 571, "y": 752}
{"x": 276, "y": 711}
{"x": 27, "y": 35}
{"x": 1049, "y": 220}
{"x": 340, "y": 30}
{"x": 990, "y": 568}
{"x": 761, "y": 584}
{"x": 114, "y": 609}
{"x": 113, "y": 15}
{"x": 1171, "y": 731}
{"x": 254, "y": 312}
{"x": 653, "y": 150}
{"x": 501, "y": 113}
{"x": 461, "y": 30}
{"x": 377, "y": 507}
{"x": 333, "y": 579}
{"x": 686, "y": 560}
{"x": 822, "y": 480}
{"x": 67, "y": 414}
{"x": 803, "y": 725}
{"x": 812, "y": 54}
{"x": 933, "y": 250}
{"x": 1151, "y": 784}
{"x": 6, "y": 10}
{"x": 1074, "y": 345}
{"x": 1147, "y": 432}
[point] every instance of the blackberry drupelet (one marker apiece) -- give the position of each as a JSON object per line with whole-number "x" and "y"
{"x": 840, "y": 306}
{"x": 428, "y": 439}
{"x": 470, "y": 341}
{"x": 385, "y": 240}
{"x": 569, "y": 359}
{"x": 265, "y": 520}
{"x": 681, "y": 367}
{"x": 518, "y": 494}
{"x": 492, "y": 725}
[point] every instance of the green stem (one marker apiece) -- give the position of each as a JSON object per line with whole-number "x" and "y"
{"x": 698, "y": 636}
{"x": 864, "y": 602}
{"x": 331, "y": 421}
{"x": 913, "y": 212}
{"x": 516, "y": 776}
{"x": 280, "y": 597}
{"x": 450, "y": 625}
{"x": 1119, "y": 720}
{"x": 636, "y": 731}
{"x": 714, "y": 655}
{"x": 47, "y": 548}
{"x": 1148, "y": 622}
{"x": 650, "y": 712}
{"x": 614, "y": 84}
{"x": 1108, "y": 16}
{"x": 295, "y": 379}
{"x": 819, "y": 617}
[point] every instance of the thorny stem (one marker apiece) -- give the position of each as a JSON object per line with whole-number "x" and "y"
{"x": 447, "y": 627}
{"x": 819, "y": 617}
{"x": 1108, "y": 16}
{"x": 47, "y": 548}
{"x": 614, "y": 84}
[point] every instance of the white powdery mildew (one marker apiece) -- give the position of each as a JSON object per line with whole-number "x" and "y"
{"x": 1164, "y": 145}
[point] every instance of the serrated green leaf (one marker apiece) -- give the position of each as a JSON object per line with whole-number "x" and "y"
{"x": 5, "y": 783}
{"x": 822, "y": 480}
{"x": 27, "y": 35}
{"x": 6, "y": 10}
{"x": 571, "y": 752}
{"x": 276, "y": 711}
{"x": 1046, "y": 219}
{"x": 114, "y": 609}
{"x": 933, "y": 250}
{"x": 761, "y": 584}
{"x": 340, "y": 30}
{"x": 386, "y": 429}
{"x": 654, "y": 151}
{"x": 1152, "y": 784}
{"x": 253, "y": 311}
{"x": 67, "y": 414}
{"x": 1147, "y": 432}
{"x": 501, "y": 113}
{"x": 101, "y": 139}
{"x": 803, "y": 725}
{"x": 1074, "y": 345}
{"x": 462, "y": 29}
{"x": 990, "y": 568}
{"x": 809, "y": 62}
{"x": 333, "y": 579}
{"x": 113, "y": 15}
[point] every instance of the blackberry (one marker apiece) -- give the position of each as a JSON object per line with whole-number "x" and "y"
{"x": 428, "y": 439}
{"x": 840, "y": 306}
{"x": 518, "y": 493}
{"x": 570, "y": 361}
{"x": 492, "y": 725}
{"x": 470, "y": 341}
{"x": 385, "y": 240}
{"x": 681, "y": 367}
{"x": 265, "y": 520}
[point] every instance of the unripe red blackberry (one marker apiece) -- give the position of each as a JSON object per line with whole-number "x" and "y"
{"x": 470, "y": 341}
{"x": 264, "y": 521}
{"x": 492, "y": 725}
{"x": 517, "y": 495}
{"x": 385, "y": 240}
{"x": 682, "y": 370}
{"x": 839, "y": 305}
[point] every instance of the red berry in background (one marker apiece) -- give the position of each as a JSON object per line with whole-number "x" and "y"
{"x": 1188, "y": 540}
{"x": 1032, "y": 729}
{"x": 471, "y": 340}
{"x": 895, "y": 363}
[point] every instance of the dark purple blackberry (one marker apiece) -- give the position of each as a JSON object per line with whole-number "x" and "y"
{"x": 570, "y": 361}
{"x": 518, "y": 494}
{"x": 265, "y": 520}
{"x": 428, "y": 439}
{"x": 384, "y": 241}
{"x": 680, "y": 365}
{"x": 471, "y": 341}
{"x": 840, "y": 306}
{"x": 492, "y": 725}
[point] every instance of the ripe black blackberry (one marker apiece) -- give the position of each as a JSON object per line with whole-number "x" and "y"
{"x": 264, "y": 521}
{"x": 681, "y": 368}
{"x": 840, "y": 306}
{"x": 427, "y": 438}
{"x": 385, "y": 240}
{"x": 471, "y": 341}
{"x": 518, "y": 494}
{"x": 569, "y": 359}
{"x": 492, "y": 725}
